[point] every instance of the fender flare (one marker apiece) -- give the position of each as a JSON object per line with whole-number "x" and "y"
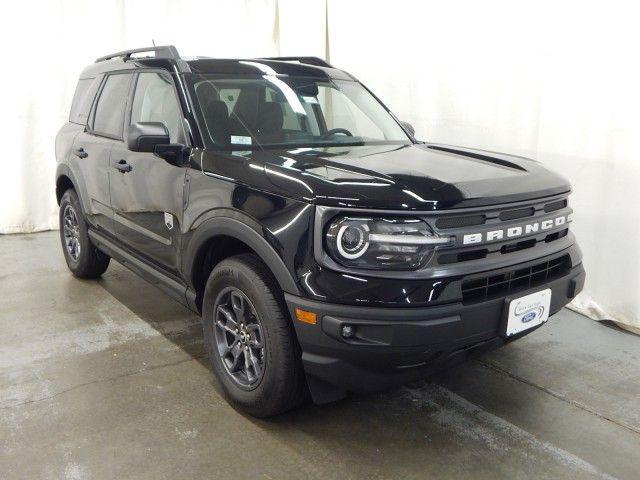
{"x": 64, "y": 170}
{"x": 232, "y": 227}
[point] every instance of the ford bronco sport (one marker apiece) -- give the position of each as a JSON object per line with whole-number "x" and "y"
{"x": 326, "y": 248}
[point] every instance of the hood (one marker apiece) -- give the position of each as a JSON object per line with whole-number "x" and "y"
{"x": 406, "y": 177}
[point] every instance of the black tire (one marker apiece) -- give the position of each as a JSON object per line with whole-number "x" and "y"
{"x": 87, "y": 261}
{"x": 282, "y": 386}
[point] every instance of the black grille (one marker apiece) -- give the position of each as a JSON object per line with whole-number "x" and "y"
{"x": 457, "y": 222}
{"x": 553, "y": 206}
{"x": 520, "y": 213}
{"x": 486, "y": 288}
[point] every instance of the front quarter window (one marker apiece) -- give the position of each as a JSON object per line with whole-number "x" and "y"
{"x": 156, "y": 101}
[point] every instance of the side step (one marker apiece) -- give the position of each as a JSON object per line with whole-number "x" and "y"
{"x": 168, "y": 285}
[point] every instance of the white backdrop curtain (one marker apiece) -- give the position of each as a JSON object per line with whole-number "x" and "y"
{"x": 555, "y": 81}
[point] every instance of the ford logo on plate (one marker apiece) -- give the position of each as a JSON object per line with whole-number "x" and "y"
{"x": 527, "y": 317}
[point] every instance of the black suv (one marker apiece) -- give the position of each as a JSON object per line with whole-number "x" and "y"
{"x": 326, "y": 248}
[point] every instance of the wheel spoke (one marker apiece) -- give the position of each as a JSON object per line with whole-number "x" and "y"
{"x": 255, "y": 363}
{"x": 247, "y": 366}
{"x": 236, "y": 353}
{"x": 237, "y": 302}
{"x": 230, "y": 320}
{"x": 226, "y": 328}
{"x": 256, "y": 335}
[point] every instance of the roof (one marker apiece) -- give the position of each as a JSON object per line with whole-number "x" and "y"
{"x": 167, "y": 57}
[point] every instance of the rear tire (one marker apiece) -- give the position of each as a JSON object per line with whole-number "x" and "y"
{"x": 243, "y": 313}
{"x": 83, "y": 258}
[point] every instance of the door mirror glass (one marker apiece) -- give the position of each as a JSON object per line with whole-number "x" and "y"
{"x": 144, "y": 136}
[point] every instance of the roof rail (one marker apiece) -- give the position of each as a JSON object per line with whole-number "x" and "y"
{"x": 165, "y": 51}
{"x": 308, "y": 60}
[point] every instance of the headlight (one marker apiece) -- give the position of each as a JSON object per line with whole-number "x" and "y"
{"x": 381, "y": 243}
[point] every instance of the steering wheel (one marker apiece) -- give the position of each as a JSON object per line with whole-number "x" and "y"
{"x": 333, "y": 131}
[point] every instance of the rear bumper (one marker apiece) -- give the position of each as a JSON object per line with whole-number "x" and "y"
{"x": 393, "y": 346}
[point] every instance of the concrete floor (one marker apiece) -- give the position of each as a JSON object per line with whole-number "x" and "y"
{"x": 108, "y": 379}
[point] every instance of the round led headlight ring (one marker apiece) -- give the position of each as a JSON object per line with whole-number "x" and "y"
{"x": 352, "y": 241}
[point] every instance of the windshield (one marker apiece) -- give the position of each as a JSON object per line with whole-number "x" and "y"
{"x": 277, "y": 111}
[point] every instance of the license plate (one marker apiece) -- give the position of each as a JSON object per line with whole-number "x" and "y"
{"x": 528, "y": 312}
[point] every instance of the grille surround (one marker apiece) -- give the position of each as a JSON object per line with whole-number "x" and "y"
{"x": 461, "y": 259}
{"x": 497, "y": 221}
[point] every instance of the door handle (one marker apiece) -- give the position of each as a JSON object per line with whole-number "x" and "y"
{"x": 81, "y": 153}
{"x": 123, "y": 166}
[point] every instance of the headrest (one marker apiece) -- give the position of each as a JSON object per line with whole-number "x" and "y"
{"x": 270, "y": 118}
{"x": 206, "y": 92}
{"x": 217, "y": 109}
{"x": 216, "y": 115}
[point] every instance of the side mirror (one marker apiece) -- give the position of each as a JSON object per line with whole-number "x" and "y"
{"x": 409, "y": 128}
{"x": 174, "y": 154}
{"x": 153, "y": 137}
{"x": 144, "y": 136}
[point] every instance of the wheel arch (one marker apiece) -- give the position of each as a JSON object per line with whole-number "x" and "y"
{"x": 63, "y": 183}
{"x": 65, "y": 179}
{"x": 220, "y": 237}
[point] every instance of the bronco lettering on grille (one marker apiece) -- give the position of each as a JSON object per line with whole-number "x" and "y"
{"x": 515, "y": 232}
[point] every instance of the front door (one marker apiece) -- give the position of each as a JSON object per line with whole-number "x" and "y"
{"x": 147, "y": 200}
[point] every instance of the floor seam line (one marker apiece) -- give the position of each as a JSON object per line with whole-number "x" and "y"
{"x": 559, "y": 396}
{"x": 102, "y": 380}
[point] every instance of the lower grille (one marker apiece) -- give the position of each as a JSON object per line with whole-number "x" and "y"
{"x": 487, "y": 288}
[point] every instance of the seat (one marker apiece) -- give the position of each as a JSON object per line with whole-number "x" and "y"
{"x": 270, "y": 119}
{"x": 215, "y": 112}
{"x": 216, "y": 116}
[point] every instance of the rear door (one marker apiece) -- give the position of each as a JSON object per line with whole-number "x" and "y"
{"x": 92, "y": 148}
{"x": 148, "y": 199}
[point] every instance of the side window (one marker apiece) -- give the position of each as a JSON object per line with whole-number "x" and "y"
{"x": 82, "y": 100}
{"x": 155, "y": 101}
{"x": 109, "y": 115}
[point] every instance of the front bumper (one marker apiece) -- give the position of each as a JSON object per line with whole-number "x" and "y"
{"x": 393, "y": 346}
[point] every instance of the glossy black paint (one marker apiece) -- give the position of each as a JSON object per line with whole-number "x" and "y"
{"x": 422, "y": 177}
{"x": 274, "y": 190}
{"x": 168, "y": 222}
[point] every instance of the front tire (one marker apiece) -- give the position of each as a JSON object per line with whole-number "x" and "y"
{"x": 250, "y": 340}
{"x": 83, "y": 258}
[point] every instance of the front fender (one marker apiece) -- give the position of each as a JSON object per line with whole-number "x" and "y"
{"x": 244, "y": 232}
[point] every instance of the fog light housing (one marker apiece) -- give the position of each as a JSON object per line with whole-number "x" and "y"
{"x": 347, "y": 331}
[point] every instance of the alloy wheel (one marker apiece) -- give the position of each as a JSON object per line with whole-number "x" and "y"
{"x": 239, "y": 337}
{"x": 71, "y": 231}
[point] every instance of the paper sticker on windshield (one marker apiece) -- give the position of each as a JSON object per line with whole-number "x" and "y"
{"x": 310, "y": 99}
{"x": 239, "y": 139}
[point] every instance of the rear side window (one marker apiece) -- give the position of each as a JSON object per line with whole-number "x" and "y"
{"x": 109, "y": 115}
{"x": 82, "y": 100}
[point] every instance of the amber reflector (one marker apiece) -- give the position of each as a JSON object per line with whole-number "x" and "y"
{"x": 306, "y": 317}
